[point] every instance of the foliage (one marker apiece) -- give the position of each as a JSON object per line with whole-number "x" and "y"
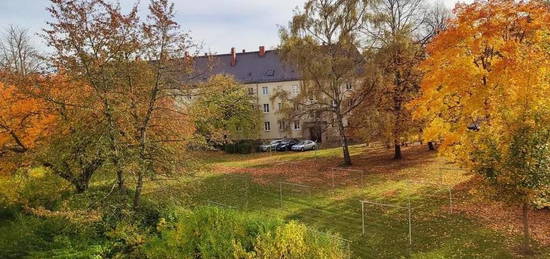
{"x": 218, "y": 233}
{"x": 394, "y": 67}
{"x": 486, "y": 93}
{"x": 31, "y": 188}
{"x": 224, "y": 112}
{"x": 322, "y": 43}
{"x": 242, "y": 147}
{"x": 29, "y": 236}
{"x": 141, "y": 129}
{"x": 398, "y": 30}
{"x": 505, "y": 108}
{"x": 25, "y": 123}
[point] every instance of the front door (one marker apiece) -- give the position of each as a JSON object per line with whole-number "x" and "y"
{"x": 316, "y": 134}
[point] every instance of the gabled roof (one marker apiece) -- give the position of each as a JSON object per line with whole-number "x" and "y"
{"x": 250, "y": 67}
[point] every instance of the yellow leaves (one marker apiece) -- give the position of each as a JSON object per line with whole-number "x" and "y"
{"x": 489, "y": 68}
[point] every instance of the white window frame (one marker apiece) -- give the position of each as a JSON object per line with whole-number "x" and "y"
{"x": 266, "y": 107}
{"x": 295, "y": 90}
{"x": 265, "y": 90}
{"x": 267, "y": 126}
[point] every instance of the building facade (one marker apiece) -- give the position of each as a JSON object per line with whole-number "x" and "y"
{"x": 264, "y": 74}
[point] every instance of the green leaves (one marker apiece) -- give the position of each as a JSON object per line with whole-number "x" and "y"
{"x": 224, "y": 112}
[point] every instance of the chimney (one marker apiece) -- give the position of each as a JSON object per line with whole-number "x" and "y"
{"x": 233, "y": 57}
{"x": 262, "y": 51}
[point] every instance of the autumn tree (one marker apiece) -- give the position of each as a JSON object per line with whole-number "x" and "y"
{"x": 224, "y": 112}
{"x": 25, "y": 123}
{"x": 134, "y": 72}
{"x": 486, "y": 86}
{"x": 321, "y": 42}
{"x": 25, "y": 120}
{"x": 397, "y": 32}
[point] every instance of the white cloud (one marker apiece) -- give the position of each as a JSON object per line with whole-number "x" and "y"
{"x": 220, "y": 24}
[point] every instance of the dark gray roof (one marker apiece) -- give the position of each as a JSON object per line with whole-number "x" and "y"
{"x": 250, "y": 67}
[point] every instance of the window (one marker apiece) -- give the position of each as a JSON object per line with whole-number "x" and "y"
{"x": 265, "y": 91}
{"x": 295, "y": 89}
{"x": 267, "y": 126}
{"x": 281, "y": 125}
{"x": 348, "y": 86}
{"x": 266, "y": 107}
{"x": 251, "y": 91}
{"x": 280, "y": 106}
{"x": 296, "y": 125}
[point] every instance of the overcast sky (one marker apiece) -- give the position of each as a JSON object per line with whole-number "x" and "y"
{"x": 218, "y": 24}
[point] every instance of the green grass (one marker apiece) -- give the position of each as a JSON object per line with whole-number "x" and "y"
{"x": 436, "y": 233}
{"x": 252, "y": 183}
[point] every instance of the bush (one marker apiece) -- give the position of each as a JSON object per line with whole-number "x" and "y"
{"x": 34, "y": 188}
{"x": 217, "y": 233}
{"x": 34, "y": 237}
{"x": 242, "y": 147}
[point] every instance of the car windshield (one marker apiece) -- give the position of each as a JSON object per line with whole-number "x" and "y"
{"x": 275, "y": 142}
{"x": 302, "y": 142}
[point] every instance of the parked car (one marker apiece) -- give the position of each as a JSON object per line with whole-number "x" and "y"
{"x": 270, "y": 146}
{"x": 305, "y": 145}
{"x": 287, "y": 144}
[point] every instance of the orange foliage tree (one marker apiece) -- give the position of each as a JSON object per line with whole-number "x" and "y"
{"x": 25, "y": 122}
{"x": 133, "y": 72}
{"x": 486, "y": 94}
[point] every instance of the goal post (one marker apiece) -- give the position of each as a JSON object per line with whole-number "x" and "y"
{"x": 360, "y": 172}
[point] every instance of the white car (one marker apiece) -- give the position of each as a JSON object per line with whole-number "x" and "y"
{"x": 270, "y": 146}
{"x": 305, "y": 145}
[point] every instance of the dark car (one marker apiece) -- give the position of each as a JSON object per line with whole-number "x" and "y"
{"x": 287, "y": 144}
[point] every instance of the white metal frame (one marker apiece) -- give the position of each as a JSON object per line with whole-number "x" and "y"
{"x": 334, "y": 169}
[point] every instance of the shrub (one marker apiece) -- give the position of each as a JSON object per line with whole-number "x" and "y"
{"x": 34, "y": 188}
{"x": 217, "y": 233}
{"x": 34, "y": 237}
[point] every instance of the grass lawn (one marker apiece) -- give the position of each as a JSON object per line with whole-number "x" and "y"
{"x": 304, "y": 187}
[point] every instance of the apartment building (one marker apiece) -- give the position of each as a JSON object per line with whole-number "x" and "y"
{"x": 263, "y": 74}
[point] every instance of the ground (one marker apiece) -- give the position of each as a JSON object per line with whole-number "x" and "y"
{"x": 448, "y": 218}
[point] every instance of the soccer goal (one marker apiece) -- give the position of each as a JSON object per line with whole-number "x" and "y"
{"x": 352, "y": 172}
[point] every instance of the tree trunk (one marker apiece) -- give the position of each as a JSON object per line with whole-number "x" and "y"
{"x": 431, "y": 146}
{"x": 80, "y": 187}
{"x": 120, "y": 180}
{"x": 397, "y": 154}
{"x": 344, "y": 141}
{"x": 525, "y": 221}
{"x": 139, "y": 187}
{"x": 119, "y": 175}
